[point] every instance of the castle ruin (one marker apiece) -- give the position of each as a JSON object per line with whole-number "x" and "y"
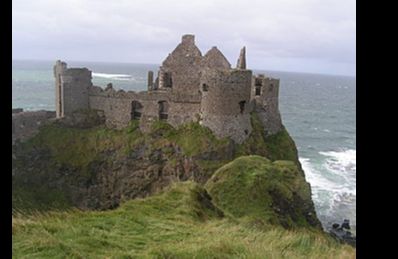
{"x": 188, "y": 87}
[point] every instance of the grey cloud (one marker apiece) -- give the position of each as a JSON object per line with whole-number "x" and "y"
{"x": 146, "y": 31}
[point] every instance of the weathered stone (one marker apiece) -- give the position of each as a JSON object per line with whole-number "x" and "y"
{"x": 192, "y": 87}
{"x": 150, "y": 80}
{"x": 214, "y": 59}
{"x": 242, "y": 59}
{"x": 71, "y": 89}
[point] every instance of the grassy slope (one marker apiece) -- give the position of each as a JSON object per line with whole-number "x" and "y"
{"x": 174, "y": 224}
{"x": 255, "y": 187}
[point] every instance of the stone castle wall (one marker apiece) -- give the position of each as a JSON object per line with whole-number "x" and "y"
{"x": 265, "y": 93}
{"x": 119, "y": 107}
{"x": 71, "y": 89}
{"x": 116, "y": 105}
{"x": 226, "y": 105}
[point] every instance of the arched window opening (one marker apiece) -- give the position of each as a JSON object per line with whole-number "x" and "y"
{"x": 205, "y": 87}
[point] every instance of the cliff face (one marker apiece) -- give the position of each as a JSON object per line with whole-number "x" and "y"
{"x": 98, "y": 168}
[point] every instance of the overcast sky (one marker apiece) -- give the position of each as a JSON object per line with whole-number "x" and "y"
{"x": 315, "y": 36}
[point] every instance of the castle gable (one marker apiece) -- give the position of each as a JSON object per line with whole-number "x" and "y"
{"x": 180, "y": 72}
{"x": 214, "y": 59}
{"x": 186, "y": 53}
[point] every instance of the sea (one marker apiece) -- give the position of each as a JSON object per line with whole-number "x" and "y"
{"x": 319, "y": 112}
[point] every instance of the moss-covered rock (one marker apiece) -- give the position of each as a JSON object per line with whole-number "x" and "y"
{"x": 97, "y": 167}
{"x": 254, "y": 187}
{"x": 279, "y": 146}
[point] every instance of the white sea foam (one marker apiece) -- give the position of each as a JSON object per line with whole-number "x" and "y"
{"x": 333, "y": 184}
{"x": 315, "y": 177}
{"x": 343, "y": 162}
{"x": 113, "y": 76}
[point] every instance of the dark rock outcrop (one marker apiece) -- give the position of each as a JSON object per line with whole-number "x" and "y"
{"x": 342, "y": 233}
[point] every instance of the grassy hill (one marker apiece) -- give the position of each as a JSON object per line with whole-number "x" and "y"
{"x": 180, "y": 222}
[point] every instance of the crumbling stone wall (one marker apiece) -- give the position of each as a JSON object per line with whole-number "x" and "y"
{"x": 59, "y": 69}
{"x": 189, "y": 87}
{"x": 266, "y": 102}
{"x": 116, "y": 105}
{"x": 71, "y": 89}
{"x": 26, "y": 124}
{"x": 226, "y": 107}
{"x": 76, "y": 83}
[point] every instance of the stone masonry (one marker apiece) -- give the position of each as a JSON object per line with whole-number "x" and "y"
{"x": 189, "y": 87}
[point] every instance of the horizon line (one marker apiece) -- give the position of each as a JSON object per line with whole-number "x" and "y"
{"x": 140, "y": 63}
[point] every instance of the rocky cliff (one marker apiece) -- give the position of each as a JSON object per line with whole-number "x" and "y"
{"x": 98, "y": 168}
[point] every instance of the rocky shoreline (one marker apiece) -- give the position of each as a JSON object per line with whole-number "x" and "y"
{"x": 342, "y": 233}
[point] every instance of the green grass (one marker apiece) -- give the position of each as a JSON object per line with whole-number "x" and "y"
{"x": 279, "y": 146}
{"x": 178, "y": 223}
{"x": 191, "y": 137}
{"x": 255, "y": 187}
{"x": 78, "y": 147}
{"x": 30, "y": 200}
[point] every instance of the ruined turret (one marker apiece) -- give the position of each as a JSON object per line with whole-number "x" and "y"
{"x": 71, "y": 88}
{"x": 225, "y": 107}
{"x": 242, "y": 59}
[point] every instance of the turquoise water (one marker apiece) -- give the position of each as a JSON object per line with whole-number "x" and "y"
{"x": 319, "y": 111}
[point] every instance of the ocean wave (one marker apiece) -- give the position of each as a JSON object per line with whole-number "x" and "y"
{"x": 333, "y": 185}
{"x": 317, "y": 180}
{"x": 113, "y": 76}
{"x": 341, "y": 162}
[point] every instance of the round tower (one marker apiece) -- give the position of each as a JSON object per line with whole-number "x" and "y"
{"x": 225, "y": 107}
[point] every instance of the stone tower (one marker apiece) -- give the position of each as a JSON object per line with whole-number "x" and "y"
{"x": 225, "y": 107}
{"x": 72, "y": 87}
{"x": 265, "y": 92}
